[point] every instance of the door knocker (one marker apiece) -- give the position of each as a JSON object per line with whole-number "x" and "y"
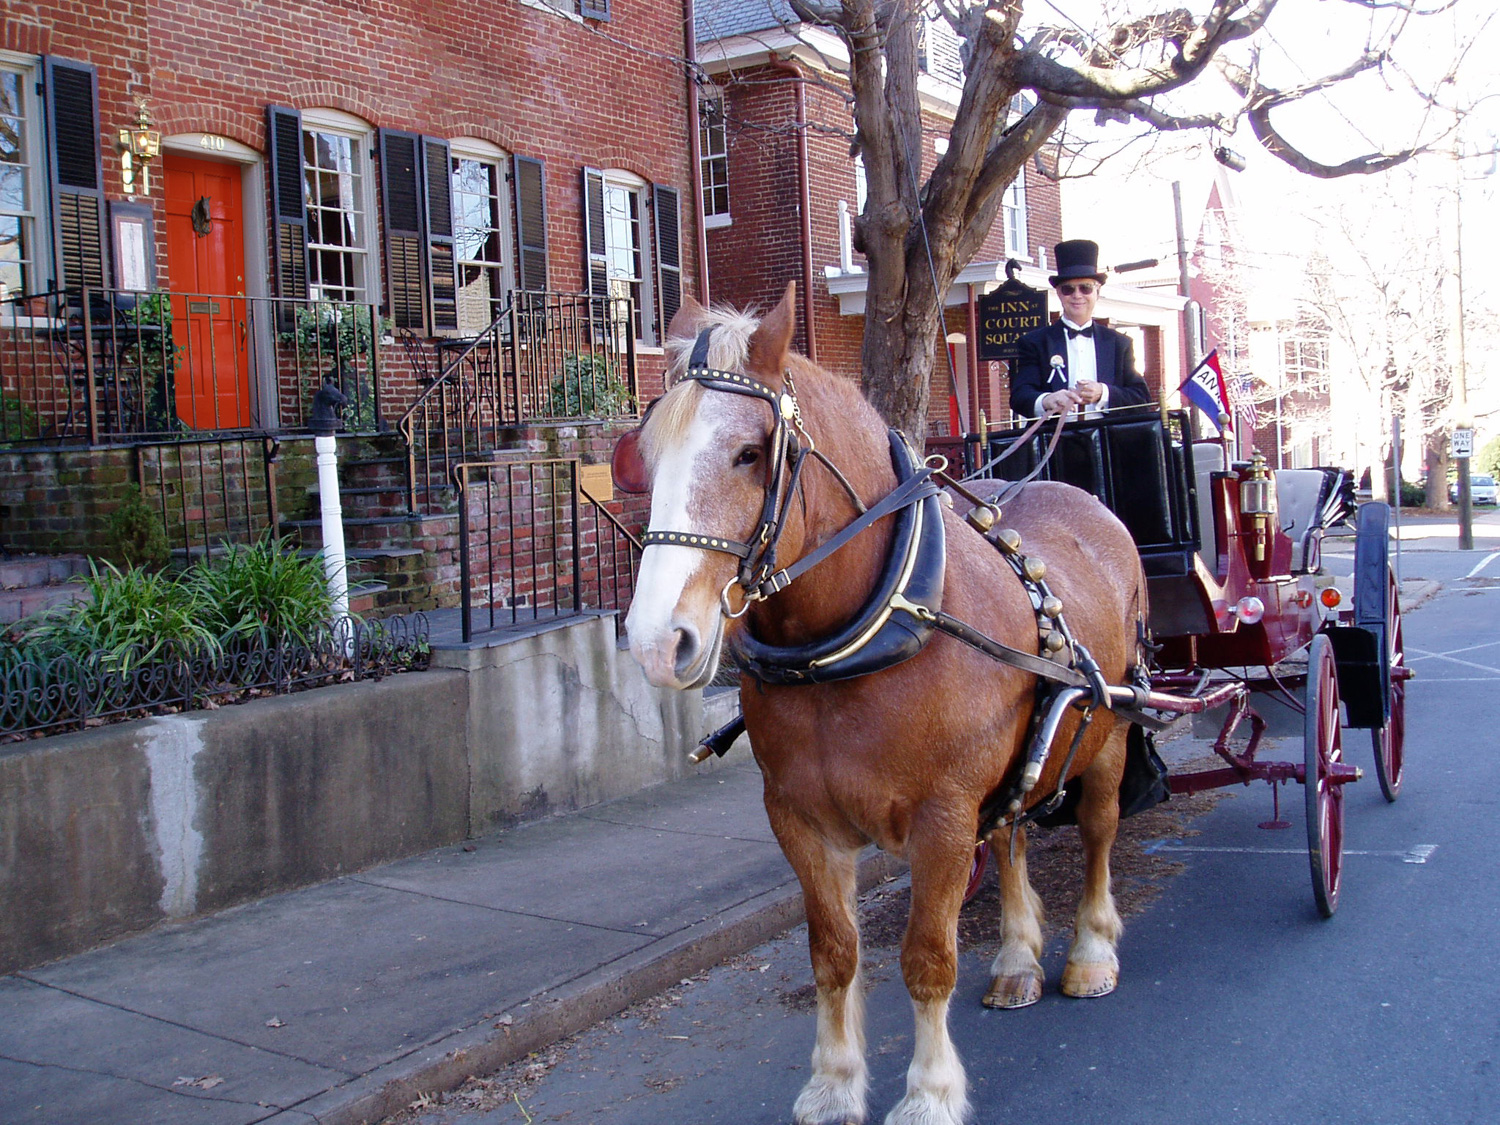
{"x": 202, "y": 221}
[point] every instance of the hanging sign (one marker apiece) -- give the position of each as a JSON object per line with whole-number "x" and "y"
{"x": 1007, "y": 314}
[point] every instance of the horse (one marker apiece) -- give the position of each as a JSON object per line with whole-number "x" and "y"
{"x": 904, "y": 754}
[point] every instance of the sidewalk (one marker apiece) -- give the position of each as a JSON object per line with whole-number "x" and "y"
{"x": 342, "y": 1002}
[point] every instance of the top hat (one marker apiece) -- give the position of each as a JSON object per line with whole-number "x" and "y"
{"x": 1076, "y": 258}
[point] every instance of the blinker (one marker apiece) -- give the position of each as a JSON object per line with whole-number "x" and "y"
{"x": 627, "y": 466}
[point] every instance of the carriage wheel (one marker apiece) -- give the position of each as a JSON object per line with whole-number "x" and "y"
{"x": 980, "y": 866}
{"x": 1323, "y": 748}
{"x": 1390, "y": 740}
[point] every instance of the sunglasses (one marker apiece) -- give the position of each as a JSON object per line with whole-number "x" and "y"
{"x": 1087, "y": 288}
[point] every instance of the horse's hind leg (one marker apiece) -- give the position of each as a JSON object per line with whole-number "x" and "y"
{"x": 1093, "y": 967}
{"x": 936, "y": 1086}
{"x": 835, "y": 1094}
{"x": 1016, "y": 975}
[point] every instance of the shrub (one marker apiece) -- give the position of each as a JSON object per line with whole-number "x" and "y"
{"x": 266, "y": 591}
{"x": 136, "y": 535}
{"x": 587, "y": 388}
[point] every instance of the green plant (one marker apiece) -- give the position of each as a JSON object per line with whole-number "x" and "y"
{"x": 135, "y": 533}
{"x": 131, "y": 617}
{"x": 1487, "y": 460}
{"x": 18, "y": 422}
{"x": 152, "y": 356}
{"x": 588, "y": 388}
{"x": 265, "y": 590}
{"x": 334, "y": 341}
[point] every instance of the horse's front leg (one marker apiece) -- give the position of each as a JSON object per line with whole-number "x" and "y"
{"x": 835, "y": 1094}
{"x": 1093, "y": 967}
{"x": 1016, "y": 975}
{"x": 936, "y": 1086}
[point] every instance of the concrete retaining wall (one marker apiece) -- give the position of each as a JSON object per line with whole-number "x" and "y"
{"x": 111, "y": 831}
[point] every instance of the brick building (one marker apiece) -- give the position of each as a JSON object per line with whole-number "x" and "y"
{"x": 327, "y": 191}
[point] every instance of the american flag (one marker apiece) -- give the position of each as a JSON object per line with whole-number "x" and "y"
{"x": 1244, "y": 400}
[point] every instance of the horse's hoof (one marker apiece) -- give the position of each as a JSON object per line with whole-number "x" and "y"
{"x": 1014, "y": 992}
{"x": 1086, "y": 981}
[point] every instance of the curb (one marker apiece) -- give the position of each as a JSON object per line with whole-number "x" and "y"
{"x": 485, "y": 1046}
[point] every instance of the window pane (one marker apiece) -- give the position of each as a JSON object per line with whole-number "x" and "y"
{"x": 335, "y": 222}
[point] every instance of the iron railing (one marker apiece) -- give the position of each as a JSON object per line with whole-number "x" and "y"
{"x": 528, "y": 551}
{"x": 105, "y": 366}
{"x": 51, "y": 695}
{"x": 213, "y": 492}
{"x": 546, "y": 357}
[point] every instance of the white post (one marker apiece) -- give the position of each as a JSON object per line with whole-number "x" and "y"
{"x": 335, "y": 567}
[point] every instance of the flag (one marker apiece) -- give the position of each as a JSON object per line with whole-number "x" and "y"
{"x": 1205, "y": 389}
{"x": 1244, "y": 402}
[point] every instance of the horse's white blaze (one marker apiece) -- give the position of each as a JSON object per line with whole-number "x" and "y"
{"x": 659, "y": 609}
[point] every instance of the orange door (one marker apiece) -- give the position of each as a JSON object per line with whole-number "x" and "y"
{"x": 206, "y": 264}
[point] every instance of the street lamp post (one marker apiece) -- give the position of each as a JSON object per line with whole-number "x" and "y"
{"x": 1461, "y": 371}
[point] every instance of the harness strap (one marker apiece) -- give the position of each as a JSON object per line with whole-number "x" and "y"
{"x": 1027, "y": 662}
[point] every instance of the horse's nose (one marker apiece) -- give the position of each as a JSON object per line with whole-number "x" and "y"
{"x": 685, "y": 657}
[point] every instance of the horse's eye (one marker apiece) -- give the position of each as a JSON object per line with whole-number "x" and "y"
{"x": 747, "y": 456}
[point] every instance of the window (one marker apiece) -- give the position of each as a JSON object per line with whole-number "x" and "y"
{"x": 333, "y": 190}
{"x": 20, "y": 270}
{"x": 713, "y": 140}
{"x": 939, "y": 50}
{"x": 615, "y": 211}
{"x": 1304, "y": 359}
{"x": 1013, "y": 210}
{"x": 480, "y": 237}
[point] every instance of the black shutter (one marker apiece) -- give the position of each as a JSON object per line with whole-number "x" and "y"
{"x": 441, "y": 257}
{"x": 288, "y": 208}
{"x": 531, "y": 223}
{"x": 594, "y": 9}
{"x": 401, "y": 207}
{"x": 595, "y": 247}
{"x": 77, "y": 174}
{"x": 668, "y": 256}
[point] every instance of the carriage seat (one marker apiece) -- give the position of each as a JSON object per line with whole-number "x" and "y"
{"x": 1300, "y": 497}
{"x": 1208, "y": 459}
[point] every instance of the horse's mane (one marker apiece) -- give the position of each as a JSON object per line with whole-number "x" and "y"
{"x": 728, "y": 348}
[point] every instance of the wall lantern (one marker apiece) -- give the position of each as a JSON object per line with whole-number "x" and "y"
{"x": 138, "y": 147}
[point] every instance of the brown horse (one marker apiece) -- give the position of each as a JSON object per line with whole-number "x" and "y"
{"x": 904, "y": 756}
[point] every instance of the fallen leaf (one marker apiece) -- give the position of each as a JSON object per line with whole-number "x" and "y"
{"x": 275, "y": 1021}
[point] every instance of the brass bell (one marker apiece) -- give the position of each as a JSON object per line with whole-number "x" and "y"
{"x": 1052, "y": 605}
{"x": 1035, "y": 569}
{"x": 1053, "y": 641}
{"x": 1009, "y": 540}
{"x": 982, "y": 518}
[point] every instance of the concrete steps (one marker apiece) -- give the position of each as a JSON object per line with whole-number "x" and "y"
{"x": 30, "y": 584}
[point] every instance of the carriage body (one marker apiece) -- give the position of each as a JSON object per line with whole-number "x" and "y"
{"x": 1240, "y": 601}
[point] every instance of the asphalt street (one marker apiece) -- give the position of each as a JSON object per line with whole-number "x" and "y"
{"x": 1237, "y": 1002}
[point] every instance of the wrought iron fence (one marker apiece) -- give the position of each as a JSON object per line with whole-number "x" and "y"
{"x": 212, "y": 492}
{"x": 64, "y": 693}
{"x": 528, "y": 553}
{"x": 546, "y": 357}
{"x": 105, "y": 366}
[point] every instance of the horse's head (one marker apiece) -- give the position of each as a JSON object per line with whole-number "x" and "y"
{"x": 708, "y": 459}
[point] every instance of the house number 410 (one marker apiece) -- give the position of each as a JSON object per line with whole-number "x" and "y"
{"x": 208, "y": 140}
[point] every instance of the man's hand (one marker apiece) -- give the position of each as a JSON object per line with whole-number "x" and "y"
{"x": 1063, "y": 402}
{"x": 1089, "y": 392}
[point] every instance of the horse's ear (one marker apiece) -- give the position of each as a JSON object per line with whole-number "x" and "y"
{"x": 772, "y": 340}
{"x": 685, "y": 319}
{"x": 627, "y": 466}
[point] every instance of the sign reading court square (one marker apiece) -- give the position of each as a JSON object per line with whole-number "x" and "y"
{"x": 1007, "y": 314}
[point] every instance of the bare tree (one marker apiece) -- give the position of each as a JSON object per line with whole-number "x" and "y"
{"x": 1137, "y": 70}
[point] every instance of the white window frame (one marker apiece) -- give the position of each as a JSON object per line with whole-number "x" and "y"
{"x": 361, "y": 136}
{"x": 474, "y": 149}
{"x": 861, "y": 185}
{"x": 715, "y": 164}
{"x": 641, "y": 286}
{"x": 35, "y": 221}
{"x": 1013, "y": 212}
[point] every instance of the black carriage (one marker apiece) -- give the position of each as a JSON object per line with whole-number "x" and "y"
{"x": 1240, "y": 604}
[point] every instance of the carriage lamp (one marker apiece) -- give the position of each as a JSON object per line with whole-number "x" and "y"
{"x": 138, "y": 147}
{"x": 1255, "y": 502}
{"x": 1250, "y": 609}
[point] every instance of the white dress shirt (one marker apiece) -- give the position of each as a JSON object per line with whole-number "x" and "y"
{"x": 1082, "y": 368}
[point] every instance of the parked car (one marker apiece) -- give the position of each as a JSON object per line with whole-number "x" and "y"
{"x": 1481, "y": 489}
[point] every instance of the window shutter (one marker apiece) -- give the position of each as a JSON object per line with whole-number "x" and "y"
{"x": 531, "y": 223}
{"x": 594, "y": 9}
{"x": 668, "y": 256}
{"x": 77, "y": 173}
{"x": 595, "y": 247}
{"x": 288, "y": 207}
{"x": 401, "y": 205}
{"x": 441, "y": 254}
